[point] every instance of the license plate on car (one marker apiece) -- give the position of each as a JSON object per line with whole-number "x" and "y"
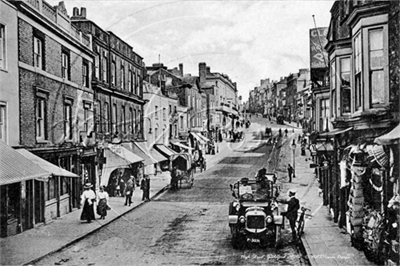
{"x": 253, "y": 240}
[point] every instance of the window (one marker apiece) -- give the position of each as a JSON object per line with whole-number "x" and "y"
{"x": 65, "y": 65}
{"x": 3, "y": 122}
{"x": 2, "y": 47}
{"x": 68, "y": 119}
{"x": 188, "y": 101}
{"x": 138, "y": 83}
{"x": 376, "y": 64}
{"x": 164, "y": 114}
{"x": 122, "y": 73}
{"x": 358, "y": 71}
{"x": 130, "y": 87}
{"x": 37, "y": 53}
{"x": 104, "y": 67}
{"x": 324, "y": 114}
{"x": 139, "y": 121}
{"x": 51, "y": 188}
{"x": 85, "y": 74}
{"x": 181, "y": 122}
{"x": 97, "y": 66}
{"x": 345, "y": 92}
{"x": 135, "y": 83}
{"x": 86, "y": 119}
{"x": 333, "y": 87}
{"x": 131, "y": 121}
{"x": 135, "y": 121}
{"x": 170, "y": 109}
{"x": 40, "y": 118}
{"x": 113, "y": 74}
{"x": 156, "y": 112}
{"x": 106, "y": 117}
{"x": 156, "y": 134}
{"x": 123, "y": 119}
{"x": 114, "y": 121}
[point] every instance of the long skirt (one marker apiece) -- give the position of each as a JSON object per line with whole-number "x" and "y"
{"x": 87, "y": 212}
{"x": 102, "y": 208}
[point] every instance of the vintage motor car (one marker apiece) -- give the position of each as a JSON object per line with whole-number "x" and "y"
{"x": 254, "y": 215}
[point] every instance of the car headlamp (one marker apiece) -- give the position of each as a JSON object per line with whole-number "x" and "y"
{"x": 242, "y": 219}
{"x": 268, "y": 219}
{"x": 238, "y": 207}
{"x": 394, "y": 225}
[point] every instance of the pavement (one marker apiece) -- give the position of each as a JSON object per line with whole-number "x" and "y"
{"x": 32, "y": 245}
{"x": 324, "y": 242}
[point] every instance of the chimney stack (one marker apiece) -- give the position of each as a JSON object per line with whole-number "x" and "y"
{"x": 202, "y": 73}
{"x": 208, "y": 70}
{"x": 79, "y": 15}
{"x": 83, "y": 12}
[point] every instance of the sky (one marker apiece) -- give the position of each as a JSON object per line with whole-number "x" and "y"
{"x": 247, "y": 40}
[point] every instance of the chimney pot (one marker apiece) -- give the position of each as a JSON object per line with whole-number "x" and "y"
{"x": 75, "y": 11}
{"x": 83, "y": 12}
{"x": 181, "y": 69}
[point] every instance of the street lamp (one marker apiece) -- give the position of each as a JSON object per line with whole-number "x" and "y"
{"x": 294, "y": 161}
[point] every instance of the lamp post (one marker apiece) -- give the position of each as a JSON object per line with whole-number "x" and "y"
{"x": 294, "y": 155}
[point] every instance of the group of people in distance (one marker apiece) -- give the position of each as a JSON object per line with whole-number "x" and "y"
{"x": 89, "y": 198}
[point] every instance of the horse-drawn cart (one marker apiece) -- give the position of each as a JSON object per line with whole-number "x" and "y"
{"x": 182, "y": 172}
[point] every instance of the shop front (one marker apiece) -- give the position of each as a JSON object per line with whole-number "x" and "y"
{"x": 21, "y": 192}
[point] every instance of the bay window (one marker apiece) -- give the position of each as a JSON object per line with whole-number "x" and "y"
{"x": 358, "y": 72}
{"x": 345, "y": 90}
{"x": 376, "y": 63}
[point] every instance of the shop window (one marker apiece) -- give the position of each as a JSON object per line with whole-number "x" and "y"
{"x": 64, "y": 185}
{"x": 324, "y": 114}
{"x": 51, "y": 188}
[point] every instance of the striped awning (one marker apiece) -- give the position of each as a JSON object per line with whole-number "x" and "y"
{"x": 393, "y": 137}
{"x": 17, "y": 168}
{"x": 164, "y": 150}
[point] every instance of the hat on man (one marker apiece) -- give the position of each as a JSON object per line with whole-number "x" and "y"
{"x": 292, "y": 192}
{"x": 87, "y": 185}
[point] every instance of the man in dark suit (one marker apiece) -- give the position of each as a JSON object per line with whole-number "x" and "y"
{"x": 291, "y": 213}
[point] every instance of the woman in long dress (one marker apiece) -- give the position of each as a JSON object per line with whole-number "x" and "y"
{"x": 102, "y": 199}
{"x": 87, "y": 200}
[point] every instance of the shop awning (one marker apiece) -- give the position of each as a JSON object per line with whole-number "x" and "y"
{"x": 182, "y": 146}
{"x": 16, "y": 168}
{"x": 334, "y": 132}
{"x": 198, "y": 138}
{"x": 54, "y": 169}
{"x": 118, "y": 157}
{"x": 134, "y": 148}
{"x": 164, "y": 150}
{"x": 393, "y": 137}
{"x": 150, "y": 156}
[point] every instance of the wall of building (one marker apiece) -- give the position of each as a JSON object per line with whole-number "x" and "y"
{"x": 9, "y": 71}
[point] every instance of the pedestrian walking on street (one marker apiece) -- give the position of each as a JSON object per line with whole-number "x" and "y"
{"x": 87, "y": 200}
{"x": 145, "y": 186}
{"x": 290, "y": 172}
{"x": 129, "y": 190}
{"x": 102, "y": 206}
{"x": 174, "y": 179}
{"x": 291, "y": 213}
{"x": 121, "y": 186}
